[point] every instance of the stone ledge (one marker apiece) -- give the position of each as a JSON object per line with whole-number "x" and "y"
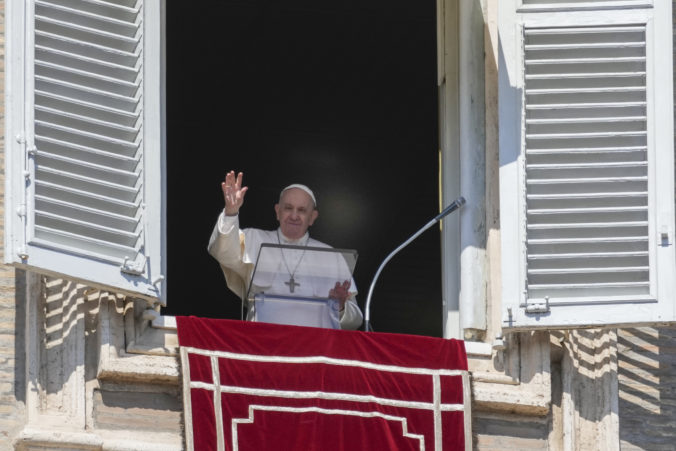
{"x": 34, "y": 439}
{"x": 139, "y": 367}
{"x": 491, "y": 397}
{"x": 523, "y": 385}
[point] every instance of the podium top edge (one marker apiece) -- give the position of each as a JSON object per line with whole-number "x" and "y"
{"x": 310, "y": 248}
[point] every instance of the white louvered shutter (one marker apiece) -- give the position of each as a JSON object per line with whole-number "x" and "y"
{"x": 85, "y": 142}
{"x": 587, "y": 172}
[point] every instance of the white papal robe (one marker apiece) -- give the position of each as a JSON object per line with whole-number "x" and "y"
{"x": 236, "y": 250}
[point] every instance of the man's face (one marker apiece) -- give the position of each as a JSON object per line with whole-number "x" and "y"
{"x": 295, "y": 213}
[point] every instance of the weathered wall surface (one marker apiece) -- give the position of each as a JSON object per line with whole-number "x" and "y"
{"x": 510, "y": 432}
{"x": 99, "y": 378}
{"x": 647, "y": 388}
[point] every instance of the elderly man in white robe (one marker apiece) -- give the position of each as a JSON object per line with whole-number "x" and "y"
{"x": 236, "y": 250}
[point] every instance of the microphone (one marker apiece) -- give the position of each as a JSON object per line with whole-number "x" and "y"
{"x": 457, "y": 203}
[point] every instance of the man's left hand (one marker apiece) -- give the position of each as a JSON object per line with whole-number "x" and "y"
{"x": 341, "y": 292}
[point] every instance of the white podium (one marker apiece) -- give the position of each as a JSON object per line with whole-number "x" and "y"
{"x": 291, "y": 284}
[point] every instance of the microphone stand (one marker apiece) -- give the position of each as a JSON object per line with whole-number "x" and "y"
{"x": 457, "y": 203}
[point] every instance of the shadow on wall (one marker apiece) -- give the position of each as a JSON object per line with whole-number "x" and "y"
{"x": 586, "y": 402}
{"x": 63, "y": 318}
{"x": 647, "y": 387}
{"x": 583, "y": 369}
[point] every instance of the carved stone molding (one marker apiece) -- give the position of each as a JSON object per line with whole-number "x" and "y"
{"x": 514, "y": 380}
{"x": 131, "y": 349}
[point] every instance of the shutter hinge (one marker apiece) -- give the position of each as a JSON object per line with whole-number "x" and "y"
{"x": 21, "y": 251}
{"x": 134, "y": 268}
{"x": 538, "y": 307}
{"x": 31, "y": 151}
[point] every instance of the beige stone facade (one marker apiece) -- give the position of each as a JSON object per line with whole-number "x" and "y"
{"x": 83, "y": 369}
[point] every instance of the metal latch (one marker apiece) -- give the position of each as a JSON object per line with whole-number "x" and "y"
{"x": 538, "y": 307}
{"x": 135, "y": 268}
{"x": 665, "y": 233}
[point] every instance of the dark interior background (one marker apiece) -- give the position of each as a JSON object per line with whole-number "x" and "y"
{"x": 341, "y": 96}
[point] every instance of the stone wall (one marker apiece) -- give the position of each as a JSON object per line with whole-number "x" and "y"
{"x": 99, "y": 378}
{"x": 647, "y": 388}
{"x": 512, "y": 432}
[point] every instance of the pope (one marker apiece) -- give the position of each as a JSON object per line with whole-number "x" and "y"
{"x": 236, "y": 250}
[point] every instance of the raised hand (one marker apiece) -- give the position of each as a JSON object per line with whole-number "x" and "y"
{"x": 233, "y": 192}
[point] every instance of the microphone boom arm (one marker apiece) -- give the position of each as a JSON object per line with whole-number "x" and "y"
{"x": 459, "y": 202}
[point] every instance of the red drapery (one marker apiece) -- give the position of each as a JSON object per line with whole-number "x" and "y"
{"x": 303, "y": 388}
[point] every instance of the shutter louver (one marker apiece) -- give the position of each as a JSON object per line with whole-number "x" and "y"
{"x": 88, "y": 128}
{"x": 586, "y": 163}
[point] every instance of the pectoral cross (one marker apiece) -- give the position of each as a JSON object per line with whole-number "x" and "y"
{"x": 292, "y": 284}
